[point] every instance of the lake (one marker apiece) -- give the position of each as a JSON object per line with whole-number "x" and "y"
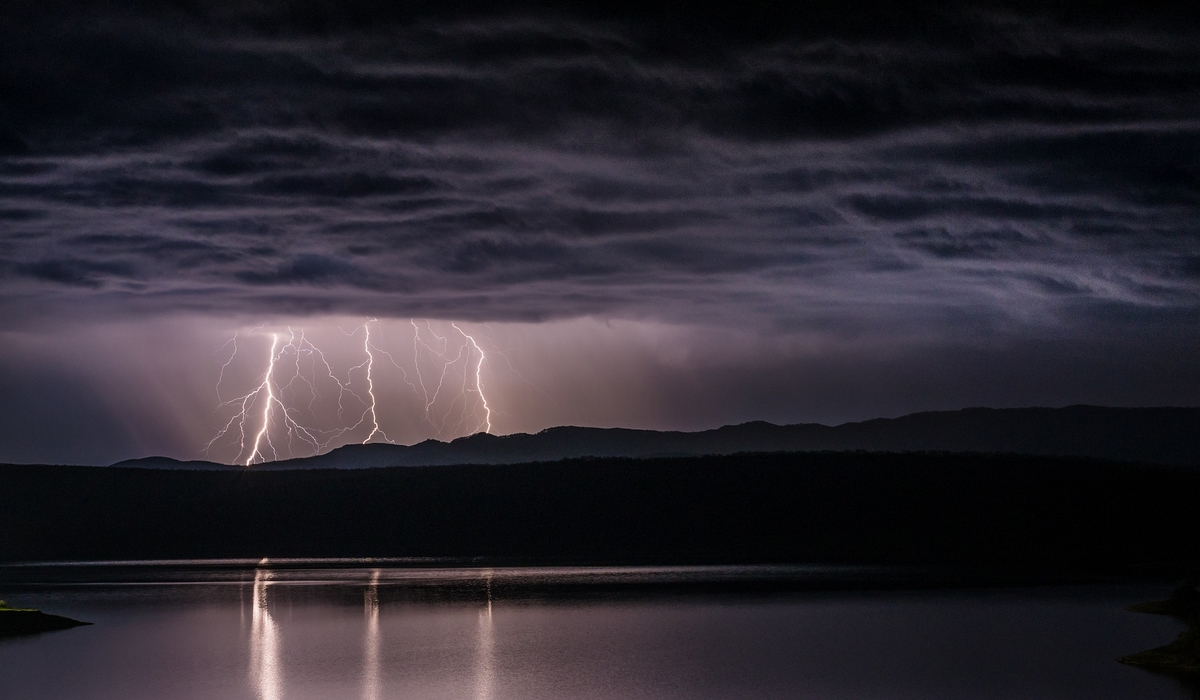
{"x": 341, "y": 629}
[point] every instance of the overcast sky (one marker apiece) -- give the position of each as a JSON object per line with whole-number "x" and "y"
{"x": 642, "y": 218}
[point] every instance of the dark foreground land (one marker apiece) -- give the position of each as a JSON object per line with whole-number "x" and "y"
{"x": 1000, "y": 513}
{"x": 18, "y": 622}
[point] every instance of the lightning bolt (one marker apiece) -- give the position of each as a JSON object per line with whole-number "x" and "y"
{"x": 371, "y": 384}
{"x": 487, "y": 411}
{"x": 221, "y": 377}
{"x": 446, "y": 364}
{"x": 295, "y": 386}
{"x": 315, "y": 354}
{"x": 267, "y": 405}
{"x": 371, "y": 405}
{"x": 266, "y": 394}
{"x": 417, "y": 365}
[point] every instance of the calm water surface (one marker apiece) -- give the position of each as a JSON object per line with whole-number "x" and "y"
{"x": 230, "y": 632}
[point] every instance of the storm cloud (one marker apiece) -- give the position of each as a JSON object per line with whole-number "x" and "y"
{"x": 979, "y": 173}
{"x": 517, "y": 168}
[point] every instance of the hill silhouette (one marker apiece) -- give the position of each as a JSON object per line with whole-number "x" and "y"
{"x": 1153, "y": 435}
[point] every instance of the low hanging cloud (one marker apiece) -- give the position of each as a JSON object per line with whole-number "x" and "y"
{"x": 516, "y": 168}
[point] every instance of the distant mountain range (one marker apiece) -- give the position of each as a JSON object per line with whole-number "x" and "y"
{"x": 1157, "y": 435}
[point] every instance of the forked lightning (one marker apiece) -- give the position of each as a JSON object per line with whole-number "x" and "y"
{"x": 289, "y": 386}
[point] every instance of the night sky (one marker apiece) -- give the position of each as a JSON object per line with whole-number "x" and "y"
{"x": 644, "y": 214}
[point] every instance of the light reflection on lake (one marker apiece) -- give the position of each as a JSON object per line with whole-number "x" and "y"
{"x": 242, "y": 633}
{"x": 264, "y": 642}
{"x": 485, "y": 670}
{"x": 371, "y": 665}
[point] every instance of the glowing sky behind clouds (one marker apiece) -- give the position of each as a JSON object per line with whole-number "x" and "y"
{"x": 665, "y": 224}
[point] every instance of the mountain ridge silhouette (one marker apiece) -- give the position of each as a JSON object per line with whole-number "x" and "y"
{"x": 1160, "y": 435}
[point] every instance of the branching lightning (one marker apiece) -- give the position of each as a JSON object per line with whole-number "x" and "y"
{"x": 442, "y": 355}
{"x": 371, "y": 385}
{"x": 265, "y": 394}
{"x": 487, "y": 412}
{"x": 267, "y": 405}
{"x": 301, "y": 402}
{"x": 221, "y": 377}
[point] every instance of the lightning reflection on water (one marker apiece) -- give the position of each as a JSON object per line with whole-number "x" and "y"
{"x": 371, "y": 666}
{"x": 266, "y": 668}
{"x": 485, "y": 656}
{"x": 265, "y": 672}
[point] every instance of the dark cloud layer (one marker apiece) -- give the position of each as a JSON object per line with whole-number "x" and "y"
{"x": 523, "y": 167}
{"x": 884, "y": 171}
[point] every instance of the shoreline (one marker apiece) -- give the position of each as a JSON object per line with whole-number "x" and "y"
{"x": 18, "y": 622}
{"x": 1182, "y": 656}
